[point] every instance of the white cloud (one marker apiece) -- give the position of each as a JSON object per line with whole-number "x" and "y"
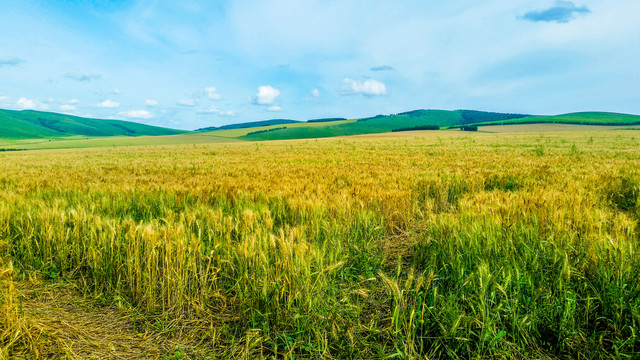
{"x": 67, "y": 108}
{"x": 214, "y": 110}
{"x": 266, "y": 95}
{"x": 110, "y": 104}
{"x": 212, "y": 93}
{"x": 74, "y": 101}
{"x": 315, "y": 93}
{"x": 116, "y": 91}
{"x": 136, "y": 114}
{"x": 28, "y": 104}
{"x": 274, "y": 108}
{"x": 186, "y": 102}
{"x": 151, "y": 102}
{"x": 369, "y": 87}
{"x": 25, "y": 103}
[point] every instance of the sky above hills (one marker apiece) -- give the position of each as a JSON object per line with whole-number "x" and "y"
{"x": 192, "y": 64}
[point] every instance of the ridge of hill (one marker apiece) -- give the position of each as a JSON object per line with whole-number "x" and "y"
{"x": 577, "y": 118}
{"x": 381, "y": 124}
{"x": 251, "y": 124}
{"x": 424, "y": 120}
{"x": 16, "y": 127}
{"x": 31, "y": 124}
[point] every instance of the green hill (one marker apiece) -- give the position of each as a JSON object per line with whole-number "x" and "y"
{"x": 29, "y": 129}
{"x": 382, "y": 124}
{"x": 29, "y": 124}
{"x": 248, "y": 125}
{"x": 430, "y": 119}
{"x": 579, "y": 118}
{"x": 326, "y": 120}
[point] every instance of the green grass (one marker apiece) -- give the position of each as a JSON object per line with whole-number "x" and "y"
{"x": 38, "y": 130}
{"x": 74, "y": 142}
{"x": 236, "y": 133}
{"x": 580, "y": 118}
{"x": 31, "y": 124}
{"x": 441, "y": 118}
{"x": 252, "y": 124}
{"x": 362, "y": 126}
{"x": 377, "y": 124}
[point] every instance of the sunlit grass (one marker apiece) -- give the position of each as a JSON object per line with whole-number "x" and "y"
{"x": 440, "y": 245}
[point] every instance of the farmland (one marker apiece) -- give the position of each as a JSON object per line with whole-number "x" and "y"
{"x": 30, "y": 130}
{"x": 438, "y": 244}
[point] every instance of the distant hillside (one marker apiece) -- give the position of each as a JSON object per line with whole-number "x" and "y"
{"x": 29, "y": 124}
{"x": 430, "y": 119}
{"x": 329, "y": 127}
{"x": 326, "y": 120}
{"x": 473, "y": 116}
{"x": 252, "y": 124}
{"x": 579, "y": 118}
{"x": 385, "y": 123}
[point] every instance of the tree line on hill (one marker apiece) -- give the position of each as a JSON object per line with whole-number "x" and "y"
{"x": 474, "y": 116}
{"x": 265, "y": 131}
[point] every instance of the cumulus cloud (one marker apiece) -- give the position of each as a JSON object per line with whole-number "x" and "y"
{"x": 25, "y": 103}
{"x": 109, "y": 104}
{"x": 315, "y": 93}
{"x": 212, "y": 93}
{"x": 369, "y": 87}
{"x": 116, "y": 91}
{"x": 11, "y": 61}
{"x": 562, "y": 12}
{"x": 28, "y": 104}
{"x": 187, "y": 102}
{"x": 266, "y": 95}
{"x": 274, "y": 108}
{"x": 151, "y": 102}
{"x": 66, "y": 107}
{"x": 382, "y": 68}
{"x": 80, "y": 76}
{"x": 214, "y": 111}
{"x": 74, "y": 101}
{"x": 136, "y": 114}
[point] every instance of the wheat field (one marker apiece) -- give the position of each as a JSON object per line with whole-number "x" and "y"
{"x": 421, "y": 245}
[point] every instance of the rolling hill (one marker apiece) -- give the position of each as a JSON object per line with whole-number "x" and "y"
{"x": 380, "y": 124}
{"x": 252, "y": 124}
{"x": 417, "y": 119}
{"x": 29, "y": 124}
{"x": 21, "y": 130}
{"x": 579, "y": 118}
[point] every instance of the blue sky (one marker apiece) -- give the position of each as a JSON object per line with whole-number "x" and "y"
{"x": 192, "y": 64}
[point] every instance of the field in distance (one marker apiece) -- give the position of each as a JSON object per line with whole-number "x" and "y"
{"x": 27, "y": 130}
{"x": 414, "y": 120}
{"x": 71, "y": 142}
{"x": 449, "y": 244}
